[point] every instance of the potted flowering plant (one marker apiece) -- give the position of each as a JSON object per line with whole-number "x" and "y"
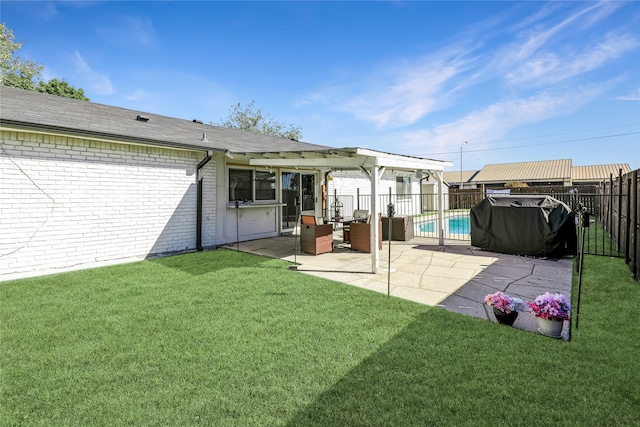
{"x": 505, "y": 308}
{"x": 551, "y": 310}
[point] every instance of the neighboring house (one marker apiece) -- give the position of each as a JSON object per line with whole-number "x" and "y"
{"x": 552, "y": 172}
{"x": 596, "y": 174}
{"x": 453, "y": 178}
{"x": 539, "y": 173}
{"x": 84, "y": 184}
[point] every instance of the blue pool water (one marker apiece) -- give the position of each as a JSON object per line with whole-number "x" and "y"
{"x": 457, "y": 225}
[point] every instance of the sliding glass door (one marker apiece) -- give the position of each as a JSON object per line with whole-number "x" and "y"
{"x": 301, "y": 186}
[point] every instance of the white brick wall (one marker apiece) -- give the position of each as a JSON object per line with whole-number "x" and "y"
{"x": 71, "y": 203}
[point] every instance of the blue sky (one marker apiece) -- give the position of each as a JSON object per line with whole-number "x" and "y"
{"x": 520, "y": 81}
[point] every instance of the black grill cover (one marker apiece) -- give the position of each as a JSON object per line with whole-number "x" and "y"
{"x": 531, "y": 225}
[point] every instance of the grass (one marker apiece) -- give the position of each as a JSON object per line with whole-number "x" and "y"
{"x": 225, "y": 338}
{"x": 598, "y": 241}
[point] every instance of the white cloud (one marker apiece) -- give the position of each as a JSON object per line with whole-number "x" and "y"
{"x": 93, "y": 81}
{"x": 136, "y": 95}
{"x": 545, "y": 58}
{"x": 411, "y": 94}
{"x": 550, "y": 67}
{"x": 632, "y": 96}
{"x": 189, "y": 96}
{"x": 48, "y": 74}
{"x": 547, "y": 52}
{"x": 45, "y": 11}
{"x": 494, "y": 121}
{"x": 600, "y": 11}
{"x": 397, "y": 96}
{"x": 130, "y": 31}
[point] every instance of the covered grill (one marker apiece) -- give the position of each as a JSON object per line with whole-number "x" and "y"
{"x": 531, "y": 225}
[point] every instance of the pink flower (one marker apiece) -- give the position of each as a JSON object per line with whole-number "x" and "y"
{"x": 504, "y": 302}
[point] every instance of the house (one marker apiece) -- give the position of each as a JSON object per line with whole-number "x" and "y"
{"x": 538, "y": 173}
{"x": 597, "y": 174}
{"x": 552, "y": 172}
{"x": 453, "y": 178}
{"x": 84, "y": 184}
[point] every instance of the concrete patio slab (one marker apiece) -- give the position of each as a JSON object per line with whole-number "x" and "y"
{"x": 455, "y": 277}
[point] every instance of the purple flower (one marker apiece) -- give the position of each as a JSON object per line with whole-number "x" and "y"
{"x": 551, "y": 306}
{"x": 504, "y": 302}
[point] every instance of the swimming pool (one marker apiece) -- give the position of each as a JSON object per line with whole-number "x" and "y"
{"x": 457, "y": 225}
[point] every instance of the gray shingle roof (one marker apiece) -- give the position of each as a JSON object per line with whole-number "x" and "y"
{"x": 32, "y": 110}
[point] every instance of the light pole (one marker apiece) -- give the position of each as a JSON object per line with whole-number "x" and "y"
{"x": 461, "y": 185}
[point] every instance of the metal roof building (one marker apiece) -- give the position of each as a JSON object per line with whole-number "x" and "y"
{"x": 547, "y": 172}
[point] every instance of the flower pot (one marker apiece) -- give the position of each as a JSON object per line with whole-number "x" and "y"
{"x": 550, "y": 328}
{"x": 504, "y": 318}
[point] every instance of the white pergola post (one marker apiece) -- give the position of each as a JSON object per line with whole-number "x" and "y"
{"x": 439, "y": 177}
{"x": 375, "y": 251}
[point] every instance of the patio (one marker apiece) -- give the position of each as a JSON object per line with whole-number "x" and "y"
{"x": 455, "y": 277}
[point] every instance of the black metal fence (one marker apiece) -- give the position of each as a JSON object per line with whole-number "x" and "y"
{"x": 608, "y": 210}
{"x": 613, "y": 207}
{"x": 422, "y": 207}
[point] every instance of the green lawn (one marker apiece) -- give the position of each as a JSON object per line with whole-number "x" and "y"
{"x": 597, "y": 240}
{"x": 225, "y": 338}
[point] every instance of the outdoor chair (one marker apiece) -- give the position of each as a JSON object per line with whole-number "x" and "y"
{"x": 361, "y": 235}
{"x": 315, "y": 238}
{"x": 359, "y": 215}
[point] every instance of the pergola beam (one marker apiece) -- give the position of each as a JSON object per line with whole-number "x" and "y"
{"x": 373, "y": 164}
{"x": 318, "y": 162}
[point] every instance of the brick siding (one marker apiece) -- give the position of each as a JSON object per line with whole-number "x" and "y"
{"x": 71, "y": 203}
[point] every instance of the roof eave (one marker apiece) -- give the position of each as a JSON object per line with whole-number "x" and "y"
{"x": 346, "y": 158}
{"x": 12, "y": 125}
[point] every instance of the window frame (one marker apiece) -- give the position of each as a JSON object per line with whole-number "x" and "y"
{"x": 403, "y": 187}
{"x": 249, "y": 187}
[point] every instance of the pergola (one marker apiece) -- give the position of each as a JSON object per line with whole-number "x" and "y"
{"x": 373, "y": 163}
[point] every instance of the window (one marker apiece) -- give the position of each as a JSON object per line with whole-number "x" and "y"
{"x": 265, "y": 185}
{"x": 252, "y": 185}
{"x": 403, "y": 187}
{"x": 240, "y": 184}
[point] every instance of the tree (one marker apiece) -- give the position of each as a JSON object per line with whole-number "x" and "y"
{"x": 61, "y": 88}
{"x": 25, "y": 74}
{"x": 250, "y": 119}
{"x": 14, "y": 71}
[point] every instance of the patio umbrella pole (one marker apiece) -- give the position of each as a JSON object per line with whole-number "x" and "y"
{"x": 390, "y": 212}
{"x": 584, "y": 223}
{"x": 237, "y": 227}
{"x": 295, "y": 241}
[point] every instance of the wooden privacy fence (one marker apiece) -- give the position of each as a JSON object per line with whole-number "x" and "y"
{"x": 619, "y": 212}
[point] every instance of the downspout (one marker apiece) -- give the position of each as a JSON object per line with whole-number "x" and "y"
{"x": 199, "y": 200}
